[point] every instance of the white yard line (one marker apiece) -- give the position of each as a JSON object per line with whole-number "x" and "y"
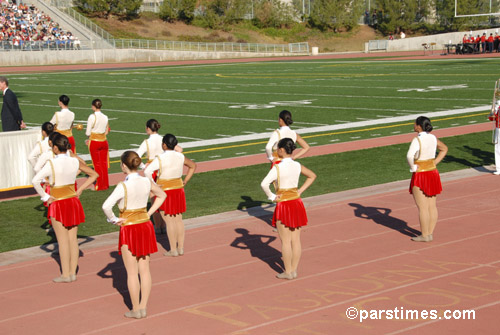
{"x": 287, "y": 94}
{"x": 275, "y": 121}
{"x": 311, "y": 130}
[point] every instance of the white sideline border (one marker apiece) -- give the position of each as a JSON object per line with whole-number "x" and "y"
{"x": 311, "y": 130}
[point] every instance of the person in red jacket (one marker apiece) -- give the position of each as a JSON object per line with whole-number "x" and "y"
{"x": 489, "y": 43}
{"x": 496, "y": 42}
{"x": 483, "y": 43}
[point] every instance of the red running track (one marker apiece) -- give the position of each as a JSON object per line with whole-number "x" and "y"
{"x": 356, "y": 253}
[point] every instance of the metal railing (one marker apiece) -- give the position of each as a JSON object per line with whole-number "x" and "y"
{"x": 377, "y": 45}
{"x": 45, "y": 45}
{"x": 295, "y": 48}
{"x": 210, "y": 47}
{"x": 109, "y": 42}
{"x": 65, "y": 7}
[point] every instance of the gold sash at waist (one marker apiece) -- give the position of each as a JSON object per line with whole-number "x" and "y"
{"x": 97, "y": 137}
{"x": 63, "y": 192}
{"x": 287, "y": 194}
{"x": 170, "y": 184}
{"x": 427, "y": 165}
{"x": 134, "y": 216}
{"x": 67, "y": 132}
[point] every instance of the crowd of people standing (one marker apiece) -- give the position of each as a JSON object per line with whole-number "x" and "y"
{"x": 481, "y": 43}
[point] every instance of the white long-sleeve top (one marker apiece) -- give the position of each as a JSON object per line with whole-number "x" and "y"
{"x": 63, "y": 119}
{"x": 39, "y": 148}
{"x": 427, "y": 151}
{"x": 152, "y": 147}
{"x": 138, "y": 189}
{"x": 40, "y": 162}
{"x": 65, "y": 172}
{"x": 289, "y": 173}
{"x": 96, "y": 123}
{"x": 276, "y": 136}
{"x": 170, "y": 163}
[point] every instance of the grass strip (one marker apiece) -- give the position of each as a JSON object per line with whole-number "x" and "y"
{"x": 24, "y": 221}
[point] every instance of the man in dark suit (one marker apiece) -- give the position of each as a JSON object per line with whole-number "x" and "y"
{"x": 12, "y": 119}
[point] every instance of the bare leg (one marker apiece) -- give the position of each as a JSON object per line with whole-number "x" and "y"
{"x": 159, "y": 223}
{"x": 180, "y": 231}
{"x": 423, "y": 210}
{"x": 172, "y": 234}
{"x": 64, "y": 248}
{"x": 433, "y": 213}
{"x": 74, "y": 251}
{"x": 296, "y": 248}
{"x": 145, "y": 274}
{"x": 286, "y": 245}
{"x": 130, "y": 262}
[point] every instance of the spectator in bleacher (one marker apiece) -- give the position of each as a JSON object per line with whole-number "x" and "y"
{"x": 21, "y": 25}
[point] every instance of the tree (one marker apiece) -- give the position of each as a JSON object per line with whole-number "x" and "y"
{"x": 172, "y": 10}
{"x": 274, "y": 13}
{"x": 216, "y": 14}
{"x": 127, "y": 8}
{"x": 336, "y": 14}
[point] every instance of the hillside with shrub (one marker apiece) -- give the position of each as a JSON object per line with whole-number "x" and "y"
{"x": 332, "y": 25}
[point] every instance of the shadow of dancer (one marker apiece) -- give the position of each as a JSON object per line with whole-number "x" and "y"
{"x": 260, "y": 249}
{"x": 116, "y": 271}
{"x": 53, "y": 247}
{"x": 254, "y": 208}
{"x": 381, "y": 216}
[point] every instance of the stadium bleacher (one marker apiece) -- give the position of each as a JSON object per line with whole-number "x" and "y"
{"x": 25, "y": 27}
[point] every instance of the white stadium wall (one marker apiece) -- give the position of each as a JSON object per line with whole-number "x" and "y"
{"x": 24, "y": 58}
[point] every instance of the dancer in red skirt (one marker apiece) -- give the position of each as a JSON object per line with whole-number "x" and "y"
{"x": 290, "y": 213}
{"x": 425, "y": 182}
{"x": 152, "y": 147}
{"x": 97, "y": 129}
{"x": 137, "y": 237}
{"x": 170, "y": 165}
{"x": 63, "y": 121}
{"x": 284, "y": 131}
{"x": 65, "y": 210}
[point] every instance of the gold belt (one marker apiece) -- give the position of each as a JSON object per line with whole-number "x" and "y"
{"x": 97, "y": 137}
{"x": 134, "y": 216}
{"x": 67, "y": 132}
{"x": 287, "y": 194}
{"x": 427, "y": 165}
{"x": 170, "y": 184}
{"x": 63, "y": 192}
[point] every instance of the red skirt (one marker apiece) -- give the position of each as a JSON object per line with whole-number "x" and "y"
{"x": 100, "y": 158}
{"x": 429, "y": 182}
{"x": 291, "y": 213}
{"x": 175, "y": 203}
{"x": 71, "y": 141}
{"x": 67, "y": 211}
{"x": 140, "y": 239}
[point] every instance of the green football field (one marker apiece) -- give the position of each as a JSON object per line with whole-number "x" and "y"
{"x": 227, "y": 110}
